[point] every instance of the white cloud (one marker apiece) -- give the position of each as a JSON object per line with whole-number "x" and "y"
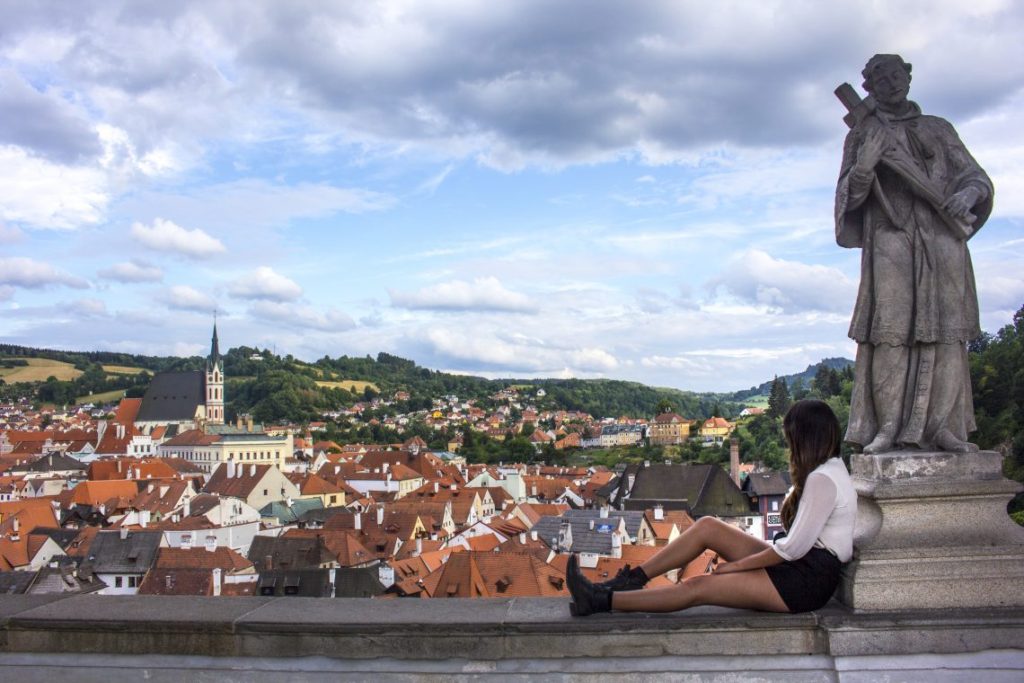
{"x": 266, "y": 284}
{"x": 19, "y": 271}
{"x": 517, "y": 353}
{"x": 299, "y": 318}
{"x": 45, "y": 195}
{"x": 185, "y": 298}
{"x": 759, "y": 278}
{"x": 132, "y": 271}
{"x": 166, "y": 236}
{"x": 484, "y": 293}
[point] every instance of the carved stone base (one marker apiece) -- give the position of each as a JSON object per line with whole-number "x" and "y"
{"x": 932, "y": 532}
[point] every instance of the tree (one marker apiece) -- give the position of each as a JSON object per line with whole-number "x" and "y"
{"x": 827, "y": 382}
{"x": 778, "y": 398}
{"x": 664, "y": 406}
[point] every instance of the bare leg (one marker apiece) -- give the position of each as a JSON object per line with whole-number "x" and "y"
{"x": 707, "y": 533}
{"x": 745, "y": 590}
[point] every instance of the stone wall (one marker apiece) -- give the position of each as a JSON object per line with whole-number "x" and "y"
{"x": 100, "y": 638}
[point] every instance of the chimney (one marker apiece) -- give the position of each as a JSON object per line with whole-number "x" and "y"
{"x": 604, "y": 512}
{"x": 252, "y": 470}
{"x": 337, "y": 469}
{"x": 119, "y": 466}
{"x": 359, "y": 521}
{"x": 734, "y": 460}
{"x": 659, "y": 513}
{"x": 522, "y": 538}
{"x": 591, "y": 525}
{"x": 380, "y": 515}
{"x": 533, "y": 490}
{"x": 149, "y": 488}
{"x": 533, "y": 534}
{"x": 215, "y": 579}
{"x": 15, "y": 536}
{"x": 288, "y": 501}
{"x": 238, "y": 422}
{"x": 616, "y": 546}
{"x": 231, "y": 469}
{"x": 629, "y": 482}
{"x": 248, "y": 423}
{"x": 437, "y": 486}
{"x": 144, "y": 518}
{"x": 453, "y": 487}
{"x": 268, "y": 563}
{"x": 124, "y": 533}
{"x": 419, "y": 547}
{"x": 187, "y": 510}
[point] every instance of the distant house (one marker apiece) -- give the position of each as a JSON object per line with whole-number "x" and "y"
{"x": 669, "y": 428}
{"x": 700, "y": 490}
{"x": 715, "y": 430}
{"x": 120, "y": 559}
{"x": 766, "y": 491}
{"x": 257, "y": 485}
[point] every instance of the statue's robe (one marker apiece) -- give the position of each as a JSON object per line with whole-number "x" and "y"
{"x": 917, "y": 285}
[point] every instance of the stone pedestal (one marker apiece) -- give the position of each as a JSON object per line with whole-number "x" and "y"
{"x": 932, "y": 532}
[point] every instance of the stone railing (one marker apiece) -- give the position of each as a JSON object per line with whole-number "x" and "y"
{"x": 110, "y": 638}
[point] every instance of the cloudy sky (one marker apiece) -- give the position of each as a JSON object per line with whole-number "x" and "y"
{"x": 635, "y": 190}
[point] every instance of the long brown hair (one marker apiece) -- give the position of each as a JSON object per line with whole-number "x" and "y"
{"x": 812, "y": 432}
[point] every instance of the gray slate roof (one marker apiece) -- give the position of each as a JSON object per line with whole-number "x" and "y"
{"x": 303, "y": 583}
{"x": 357, "y": 582}
{"x": 585, "y": 539}
{"x": 109, "y": 554}
{"x": 767, "y": 483}
{"x": 16, "y": 582}
{"x": 173, "y": 396}
{"x": 702, "y": 490}
{"x": 51, "y": 462}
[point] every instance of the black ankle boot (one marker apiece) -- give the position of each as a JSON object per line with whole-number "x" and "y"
{"x": 587, "y": 597}
{"x": 628, "y": 579}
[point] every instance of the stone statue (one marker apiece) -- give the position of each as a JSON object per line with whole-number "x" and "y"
{"x": 910, "y": 196}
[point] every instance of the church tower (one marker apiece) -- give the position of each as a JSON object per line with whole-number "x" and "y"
{"x": 214, "y": 383}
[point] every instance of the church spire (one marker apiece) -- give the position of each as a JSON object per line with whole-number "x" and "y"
{"x": 214, "y": 348}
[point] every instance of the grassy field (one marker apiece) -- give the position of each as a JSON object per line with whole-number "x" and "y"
{"x": 38, "y": 369}
{"x": 105, "y": 397}
{"x": 355, "y": 386}
{"x": 122, "y": 369}
{"x": 760, "y": 401}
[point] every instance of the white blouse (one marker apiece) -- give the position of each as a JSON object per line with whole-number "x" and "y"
{"x": 826, "y": 516}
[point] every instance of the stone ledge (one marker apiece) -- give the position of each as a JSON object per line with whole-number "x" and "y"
{"x": 491, "y": 630}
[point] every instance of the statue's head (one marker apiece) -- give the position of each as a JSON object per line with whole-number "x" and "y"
{"x": 887, "y": 77}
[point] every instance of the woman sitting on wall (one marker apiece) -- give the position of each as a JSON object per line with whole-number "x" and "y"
{"x": 797, "y": 573}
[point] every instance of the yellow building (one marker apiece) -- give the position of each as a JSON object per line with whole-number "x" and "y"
{"x": 669, "y": 428}
{"x": 715, "y": 430}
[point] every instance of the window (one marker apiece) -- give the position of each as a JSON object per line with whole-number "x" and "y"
{"x": 775, "y": 506}
{"x": 118, "y": 581}
{"x": 266, "y": 492}
{"x": 133, "y": 582}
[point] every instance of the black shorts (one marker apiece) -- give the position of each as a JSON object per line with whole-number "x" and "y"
{"x": 808, "y": 583}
